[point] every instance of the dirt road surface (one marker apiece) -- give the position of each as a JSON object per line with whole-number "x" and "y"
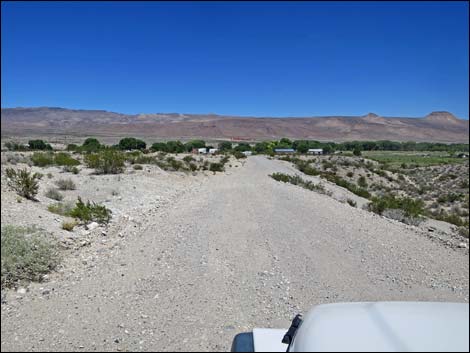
{"x": 232, "y": 252}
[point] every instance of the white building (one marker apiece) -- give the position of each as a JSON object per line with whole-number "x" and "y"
{"x": 202, "y": 150}
{"x": 247, "y": 153}
{"x": 315, "y": 151}
{"x": 213, "y": 150}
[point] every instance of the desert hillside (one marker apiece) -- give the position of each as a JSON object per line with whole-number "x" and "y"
{"x": 435, "y": 127}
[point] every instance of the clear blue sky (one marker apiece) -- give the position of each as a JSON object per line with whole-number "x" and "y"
{"x": 241, "y": 58}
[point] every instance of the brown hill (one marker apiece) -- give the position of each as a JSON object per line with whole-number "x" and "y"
{"x": 437, "y": 126}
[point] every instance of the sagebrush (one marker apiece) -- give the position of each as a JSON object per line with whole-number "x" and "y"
{"x": 27, "y": 255}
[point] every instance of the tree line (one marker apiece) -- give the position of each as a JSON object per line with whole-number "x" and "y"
{"x": 266, "y": 147}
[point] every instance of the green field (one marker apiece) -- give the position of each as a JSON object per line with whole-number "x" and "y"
{"x": 421, "y": 159}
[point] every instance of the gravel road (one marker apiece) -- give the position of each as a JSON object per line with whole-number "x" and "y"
{"x": 232, "y": 252}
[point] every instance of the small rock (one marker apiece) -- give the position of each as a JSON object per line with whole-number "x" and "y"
{"x": 21, "y": 290}
{"x": 463, "y": 245}
{"x": 46, "y": 292}
{"x": 92, "y": 226}
{"x": 103, "y": 233}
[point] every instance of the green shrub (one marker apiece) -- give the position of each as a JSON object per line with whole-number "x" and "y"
{"x": 304, "y": 166}
{"x": 107, "y": 161}
{"x": 137, "y": 167}
{"x": 24, "y": 182}
{"x": 39, "y": 145}
{"x": 69, "y": 169}
{"x": 173, "y": 164}
{"x": 350, "y": 174}
{"x": 42, "y": 159}
{"x": 411, "y": 207}
{"x": 216, "y": 167}
{"x": 136, "y": 157}
{"x": 464, "y": 184}
{"x": 285, "y": 178}
{"x": 452, "y": 218}
{"x": 357, "y": 152}
{"x": 362, "y": 182}
{"x": 224, "y": 160}
{"x": 72, "y": 147}
{"x": 464, "y": 232}
{"x": 297, "y": 180}
{"x": 65, "y": 184}
{"x": 15, "y": 146}
{"x": 351, "y": 202}
{"x": 189, "y": 159}
{"x": 54, "y": 194}
{"x": 90, "y": 212}
{"x": 347, "y": 185}
{"x": 64, "y": 159}
{"x": 61, "y": 208}
{"x": 193, "y": 167}
{"x": 26, "y": 255}
{"x": 238, "y": 154}
{"x": 450, "y": 197}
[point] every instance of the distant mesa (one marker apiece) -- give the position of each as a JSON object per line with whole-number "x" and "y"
{"x": 438, "y": 126}
{"x": 373, "y": 118}
{"x": 441, "y": 116}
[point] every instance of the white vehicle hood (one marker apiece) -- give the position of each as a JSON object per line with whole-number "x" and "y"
{"x": 384, "y": 326}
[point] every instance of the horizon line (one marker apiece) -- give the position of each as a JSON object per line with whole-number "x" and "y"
{"x": 242, "y": 116}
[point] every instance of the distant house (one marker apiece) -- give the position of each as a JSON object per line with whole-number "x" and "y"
{"x": 247, "y": 153}
{"x": 202, "y": 150}
{"x": 213, "y": 150}
{"x": 315, "y": 151}
{"x": 284, "y": 150}
{"x": 462, "y": 155}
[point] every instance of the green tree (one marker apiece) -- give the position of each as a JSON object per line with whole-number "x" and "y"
{"x": 91, "y": 145}
{"x": 159, "y": 146}
{"x": 357, "y": 151}
{"x": 131, "y": 143}
{"x": 194, "y": 144}
{"x": 225, "y": 146}
{"x": 301, "y": 146}
{"x": 39, "y": 145}
{"x": 175, "y": 147}
{"x": 242, "y": 147}
{"x": 327, "y": 149}
{"x": 261, "y": 147}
